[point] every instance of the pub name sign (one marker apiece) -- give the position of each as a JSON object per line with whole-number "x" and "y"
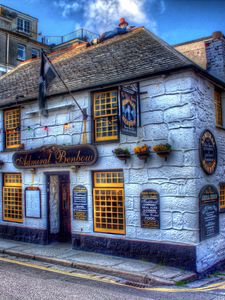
{"x": 56, "y": 156}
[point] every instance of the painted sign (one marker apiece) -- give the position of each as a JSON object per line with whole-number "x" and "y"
{"x": 208, "y": 212}
{"x": 32, "y": 202}
{"x": 80, "y": 205}
{"x": 56, "y": 156}
{"x": 150, "y": 214}
{"x": 129, "y": 102}
{"x": 208, "y": 152}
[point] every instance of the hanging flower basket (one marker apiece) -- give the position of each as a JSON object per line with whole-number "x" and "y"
{"x": 122, "y": 154}
{"x": 162, "y": 150}
{"x": 142, "y": 152}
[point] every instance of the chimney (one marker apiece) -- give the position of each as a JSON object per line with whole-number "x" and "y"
{"x": 215, "y": 55}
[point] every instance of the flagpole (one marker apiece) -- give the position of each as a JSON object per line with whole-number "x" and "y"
{"x": 84, "y": 113}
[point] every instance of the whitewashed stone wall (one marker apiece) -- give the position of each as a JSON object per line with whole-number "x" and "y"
{"x": 169, "y": 114}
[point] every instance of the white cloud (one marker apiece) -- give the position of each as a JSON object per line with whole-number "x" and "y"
{"x": 103, "y": 15}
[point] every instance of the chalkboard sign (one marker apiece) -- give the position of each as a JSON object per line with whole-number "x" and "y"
{"x": 150, "y": 215}
{"x": 32, "y": 202}
{"x": 80, "y": 206}
{"x": 208, "y": 152}
{"x": 209, "y": 212}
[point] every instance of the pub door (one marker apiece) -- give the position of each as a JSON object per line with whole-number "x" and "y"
{"x": 59, "y": 216}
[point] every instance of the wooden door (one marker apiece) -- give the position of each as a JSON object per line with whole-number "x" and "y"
{"x": 65, "y": 215}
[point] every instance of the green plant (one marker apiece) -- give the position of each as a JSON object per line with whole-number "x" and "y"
{"x": 121, "y": 151}
{"x": 162, "y": 147}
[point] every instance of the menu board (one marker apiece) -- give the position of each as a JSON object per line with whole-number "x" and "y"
{"x": 80, "y": 206}
{"x": 32, "y": 202}
{"x": 208, "y": 152}
{"x": 209, "y": 212}
{"x": 150, "y": 214}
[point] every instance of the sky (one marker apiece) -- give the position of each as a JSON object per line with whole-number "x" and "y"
{"x": 175, "y": 21}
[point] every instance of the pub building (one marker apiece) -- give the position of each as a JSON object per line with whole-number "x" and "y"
{"x": 139, "y": 177}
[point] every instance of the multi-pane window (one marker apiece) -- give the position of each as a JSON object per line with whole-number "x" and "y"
{"x": 35, "y": 53}
{"x": 109, "y": 202}
{"x": 218, "y": 108}
{"x": 23, "y": 25}
{"x": 21, "y": 52}
{"x": 106, "y": 116}
{"x": 12, "y": 197}
{"x": 12, "y": 128}
{"x": 222, "y": 195}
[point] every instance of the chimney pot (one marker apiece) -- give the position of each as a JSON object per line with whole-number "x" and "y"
{"x": 217, "y": 35}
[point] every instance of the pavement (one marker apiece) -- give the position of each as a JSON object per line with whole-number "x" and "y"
{"x": 132, "y": 270}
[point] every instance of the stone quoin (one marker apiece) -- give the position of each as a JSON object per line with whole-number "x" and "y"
{"x": 145, "y": 208}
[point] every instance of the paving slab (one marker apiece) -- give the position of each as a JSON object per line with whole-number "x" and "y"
{"x": 5, "y": 244}
{"x": 167, "y": 272}
{"x": 48, "y": 252}
{"x": 135, "y": 266}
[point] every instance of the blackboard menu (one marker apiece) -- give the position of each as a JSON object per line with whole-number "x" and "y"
{"x": 32, "y": 202}
{"x": 208, "y": 152}
{"x": 150, "y": 215}
{"x": 209, "y": 212}
{"x": 80, "y": 206}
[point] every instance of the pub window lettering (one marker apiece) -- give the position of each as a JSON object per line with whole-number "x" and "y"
{"x": 12, "y": 128}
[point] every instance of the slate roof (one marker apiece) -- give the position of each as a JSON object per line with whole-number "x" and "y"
{"x": 124, "y": 57}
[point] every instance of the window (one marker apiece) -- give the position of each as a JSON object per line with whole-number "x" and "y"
{"x": 222, "y": 195}
{"x": 106, "y": 116}
{"x": 218, "y": 108}
{"x": 23, "y": 25}
{"x": 21, "y": 52}
{"x": 35, "y": 53}
{"x": 109, "y": 202}
{"x": 12, "y": 197}
{"x": 12, "y": 128}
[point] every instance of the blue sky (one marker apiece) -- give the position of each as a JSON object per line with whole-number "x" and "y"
{"x": 175, "y": 21}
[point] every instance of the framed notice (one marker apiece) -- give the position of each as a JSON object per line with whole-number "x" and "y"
{"x": 150, "y": 214}
{"x": 208, "y": 212}
{"x": 32, "y": 202}
{"x": 208, "y": 152}
{"x": 80, "y": 205}
{"x": 129, "y": 103}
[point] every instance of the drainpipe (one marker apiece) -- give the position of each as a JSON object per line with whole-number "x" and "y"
{"x": 7, "y": 51}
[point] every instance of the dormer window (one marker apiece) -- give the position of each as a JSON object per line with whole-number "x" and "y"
{"x": 23, "y": 26}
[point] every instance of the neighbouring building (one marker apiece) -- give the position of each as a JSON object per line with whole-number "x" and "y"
{"x": 139, "y": 92}
{"x": 20, "y": 39}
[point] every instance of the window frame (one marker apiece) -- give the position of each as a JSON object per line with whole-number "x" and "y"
{"x": 117, "y": 187}
{"x": 9, "y": 186}
{"x": 22, "y": 58}
{"x": 37, "y": 51}
{"x": 22, "y": 27}
{"x": 16, "y": 146}
{"x": 219, "y": 107}
{"x": 106, "y": 141}
{"x": 221, "y": 207}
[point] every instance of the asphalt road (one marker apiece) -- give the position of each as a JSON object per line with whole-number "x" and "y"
{"x": 36, "y": 282}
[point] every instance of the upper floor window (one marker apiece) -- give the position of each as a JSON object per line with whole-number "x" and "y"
{"x": 222, "y": 195}
{"x": 106, "y": 116}
{"x": 21, "y": 52}
{"x": 12, "y": 128}
{"x": 23, "y": 25}
{"x": 218, "y": 108}
{"x": 35, "y": 53}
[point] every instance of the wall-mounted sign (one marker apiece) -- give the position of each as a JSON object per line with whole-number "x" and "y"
{"x": 80, "y": 205}
{"x": 208, "y": 212}
{"x": 56, "y": 156}
{"x": 150, "y": 214}
{"x": 208, "y": 152}
{"x": 129, "y": 102}
{"x": 32, "y": 202}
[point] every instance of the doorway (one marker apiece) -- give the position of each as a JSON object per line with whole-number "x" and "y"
{"x": 59, "y": 215}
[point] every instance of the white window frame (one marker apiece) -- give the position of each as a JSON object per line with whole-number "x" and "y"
{"x": 33, "y": 50}
{"x": 23, "y": 25}
{"x": 21, "y": 49}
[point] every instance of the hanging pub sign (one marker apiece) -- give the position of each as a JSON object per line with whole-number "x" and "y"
{"x": 129, "y": 102}
{"x": 56, "y": 156}
{"x": 80, "y": 205}
{"x": 150, "y": 214}
{"x": 208, "y": 212}
{"x": 208, "y": 152}
{"x": 32, "y": 202}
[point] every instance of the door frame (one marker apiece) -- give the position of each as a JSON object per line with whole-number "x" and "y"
{"x": 47, "y": 178}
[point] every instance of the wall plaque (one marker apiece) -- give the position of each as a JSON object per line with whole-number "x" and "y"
{"x": 32, "y": 202}
{"x": 208, "y": 152}
{"x": 56, "y": 156}
{"x": 129, "y": 101}
{"x": 80, "y": 205}
{"x": 150, "y": 214}
{"x": 208, "y": 212}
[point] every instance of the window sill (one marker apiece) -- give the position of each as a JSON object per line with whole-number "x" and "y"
{"x": 13, "y": 149}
